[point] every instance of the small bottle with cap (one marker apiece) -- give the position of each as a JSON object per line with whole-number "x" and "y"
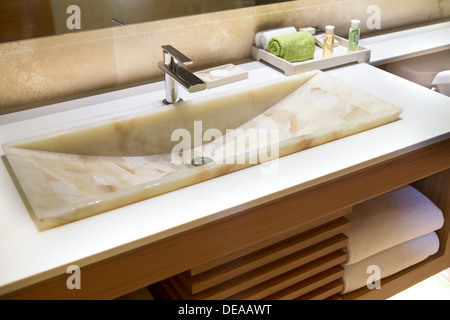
{"x": 353, "y": 36}
{"x": 328, "y": 42}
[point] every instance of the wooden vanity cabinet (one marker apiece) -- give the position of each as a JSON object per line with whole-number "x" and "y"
{"x": 288, "y": 248}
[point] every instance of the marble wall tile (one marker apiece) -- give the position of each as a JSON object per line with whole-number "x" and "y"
{"x": 41, "y": 69}
{"x": 408, "y": 12}
{"x": 207, "y": 41}
{"x": 201, "y": 37}
{"x": 393, "y": 14}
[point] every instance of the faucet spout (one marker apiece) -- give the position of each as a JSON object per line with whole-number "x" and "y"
{"x": 176, "y": 74}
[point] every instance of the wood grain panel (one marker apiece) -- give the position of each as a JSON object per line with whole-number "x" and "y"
{"x": 309, "y": 285}
{"x": 264, "y": 256}
{"x": 327, "y": 266}
{"x": 330, "y": 291}
{"x": 293, "y": 231}
{"x": 291, "y": 278}
{"x": 334, "y": 297}
{"x": 271, "y": 270}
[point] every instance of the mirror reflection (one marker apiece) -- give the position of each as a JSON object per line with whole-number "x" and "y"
{"x": 25, "y": 19}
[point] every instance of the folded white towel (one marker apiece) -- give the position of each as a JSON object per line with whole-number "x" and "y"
{"x": 262, "y": 38}
{"x": 388, "y": 220}
{"x": 390, "y": 261}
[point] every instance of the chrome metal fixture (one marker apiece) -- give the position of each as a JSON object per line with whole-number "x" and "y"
{"x": 176, "y": 74}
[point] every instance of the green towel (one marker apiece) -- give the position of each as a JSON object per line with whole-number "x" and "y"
{"x": 293, "y": 47}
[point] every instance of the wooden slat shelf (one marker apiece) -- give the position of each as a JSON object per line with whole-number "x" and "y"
{"x": 262, "y": 257}
{"x": 330, "y": 291}
{"x": 173, "y": 288}
{"x": 286, "y": 269}
{"x": 270, "y": 271}
{"x": 292, "y": 277}
{"x": 309, "y": 285}
{"x": 293, "y": 230}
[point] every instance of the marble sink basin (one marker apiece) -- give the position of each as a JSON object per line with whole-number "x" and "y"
{"x": 86, "y": 170}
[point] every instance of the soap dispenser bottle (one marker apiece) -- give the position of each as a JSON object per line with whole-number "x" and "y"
{"x": 353, "y": 36}
{"x": 328, "y": 42}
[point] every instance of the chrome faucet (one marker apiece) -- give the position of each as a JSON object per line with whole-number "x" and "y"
{"x": 175, "y": 73}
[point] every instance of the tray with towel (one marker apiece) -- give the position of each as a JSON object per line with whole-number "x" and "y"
{"x": 340, "y": 57}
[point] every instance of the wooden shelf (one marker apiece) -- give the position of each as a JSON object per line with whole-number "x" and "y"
{"x": 288, "y": 268}
{"x": 437, "y": 188}
{"x": 329, "y": 291}
{"x": 267, "y": 255}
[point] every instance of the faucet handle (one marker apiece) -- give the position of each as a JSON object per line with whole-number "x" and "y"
{"x": 177, "y": 55}
{"x": 120, "y": 21}
{"x": 175, "y": 73}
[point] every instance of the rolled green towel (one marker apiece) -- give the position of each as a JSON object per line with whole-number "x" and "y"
{"x": 293, "y": 47}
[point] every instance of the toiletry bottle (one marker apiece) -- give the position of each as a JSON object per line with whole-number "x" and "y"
{"x": 328, "y": 42}
{"x": 353, "y": 36}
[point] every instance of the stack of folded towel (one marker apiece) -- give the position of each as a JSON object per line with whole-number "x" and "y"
{"x": 393, "y": 232}
{"x": 287, "y": 43}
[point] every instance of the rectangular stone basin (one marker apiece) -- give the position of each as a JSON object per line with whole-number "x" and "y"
{"x": 79, "y": 172}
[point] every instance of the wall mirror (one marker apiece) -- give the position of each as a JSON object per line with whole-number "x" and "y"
{"x": 26, "y": 19}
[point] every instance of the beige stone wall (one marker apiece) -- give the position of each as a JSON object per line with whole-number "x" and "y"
{"x": 45, "y": 68}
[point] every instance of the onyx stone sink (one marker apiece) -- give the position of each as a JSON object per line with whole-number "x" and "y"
{"x": 82, "y": 171}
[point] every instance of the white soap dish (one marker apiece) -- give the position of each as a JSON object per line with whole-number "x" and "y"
{"x": 221, "y": 75}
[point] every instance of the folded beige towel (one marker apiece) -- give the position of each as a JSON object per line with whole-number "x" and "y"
{"x": 390, "y": 261}
{"x": 388, "y": 220}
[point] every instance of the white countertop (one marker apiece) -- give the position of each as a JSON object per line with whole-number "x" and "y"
{"x": 408, "y": 43}
{"x": 29, "y": 256}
